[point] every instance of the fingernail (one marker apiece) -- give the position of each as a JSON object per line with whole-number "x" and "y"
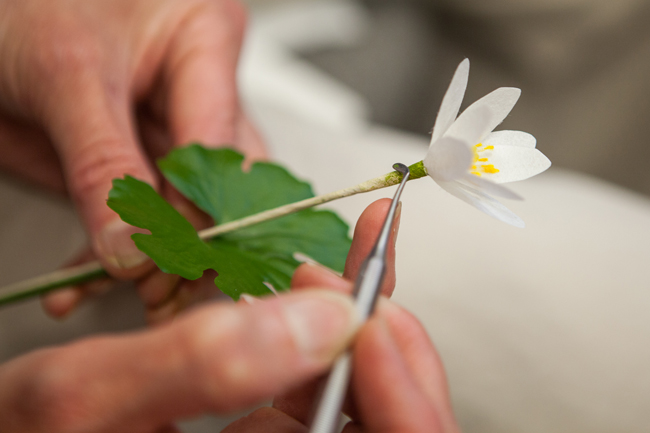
{"x": 322, "y": 323}
{"x": 117, "y": 248}
{"x": 304, "y": 258}
{"x": 270, "y": 287}
{"x": 250, "y": 300}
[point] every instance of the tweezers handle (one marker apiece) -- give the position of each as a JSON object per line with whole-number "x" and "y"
{"x": 328, "y": 416}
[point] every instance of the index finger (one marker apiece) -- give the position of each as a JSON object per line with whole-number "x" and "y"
{"x": 365, "y": 234}
{"x": 201, "y": 80}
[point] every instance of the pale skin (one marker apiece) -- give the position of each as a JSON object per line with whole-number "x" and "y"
{"x": 224, "y": 357}
{"x": 93, "y": 89}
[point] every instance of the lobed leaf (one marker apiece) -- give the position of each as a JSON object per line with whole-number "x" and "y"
{"x": 247, "y": 258}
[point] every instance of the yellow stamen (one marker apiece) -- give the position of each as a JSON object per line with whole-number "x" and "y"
{"x": 485, "y": 168}
{"x": 489, "y": 168}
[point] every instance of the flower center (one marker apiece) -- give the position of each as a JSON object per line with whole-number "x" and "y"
{"x": 480, "y": 162}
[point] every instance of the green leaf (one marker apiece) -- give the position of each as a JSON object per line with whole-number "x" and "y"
{"x": 173, "y": 244}
{"x": 247, "y": 258}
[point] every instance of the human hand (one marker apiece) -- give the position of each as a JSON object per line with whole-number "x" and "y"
{"x": 223, "y": 357}
{"x": 398, "y": 384}
{"x": 392, "y": 344}
{"x": 93, "y": 90}
{"x": 216, "y": 359}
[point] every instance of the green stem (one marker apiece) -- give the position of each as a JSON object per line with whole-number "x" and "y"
{"x": 55, "y": 280}
{"x": 93, "y": 270}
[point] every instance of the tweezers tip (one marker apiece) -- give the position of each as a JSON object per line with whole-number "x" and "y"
{"x": 398, "y": 166}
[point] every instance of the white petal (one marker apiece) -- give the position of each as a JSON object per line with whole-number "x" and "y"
{"x": 490, "y": 188}
{"x": 516, "y": 163}
{"x": 499, "y": 103}
{"x": 510, "y": 138}
{"x": 447, "y": 159}
{"x": 451, "y": 101}
{"x": 482, "y": 202}
{"x": 469, "y": 128}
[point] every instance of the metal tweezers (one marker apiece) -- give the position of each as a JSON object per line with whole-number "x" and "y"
{"x": 367, "y": 287}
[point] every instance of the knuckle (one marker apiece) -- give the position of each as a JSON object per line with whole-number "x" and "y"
{"x": 92, "y": 166}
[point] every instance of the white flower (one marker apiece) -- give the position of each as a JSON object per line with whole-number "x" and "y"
{"x": 469, "y": 161}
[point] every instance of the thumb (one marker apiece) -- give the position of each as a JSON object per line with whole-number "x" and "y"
{"x": 93, "y": 133}
{"x": 216, "y": 360}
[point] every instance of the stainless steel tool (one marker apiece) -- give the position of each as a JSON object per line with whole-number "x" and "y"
{"x": 366, "y": 291}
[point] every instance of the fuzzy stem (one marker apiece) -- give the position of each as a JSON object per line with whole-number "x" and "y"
{"x": 390, "y": 179}
{"x": 93, "y": 270}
